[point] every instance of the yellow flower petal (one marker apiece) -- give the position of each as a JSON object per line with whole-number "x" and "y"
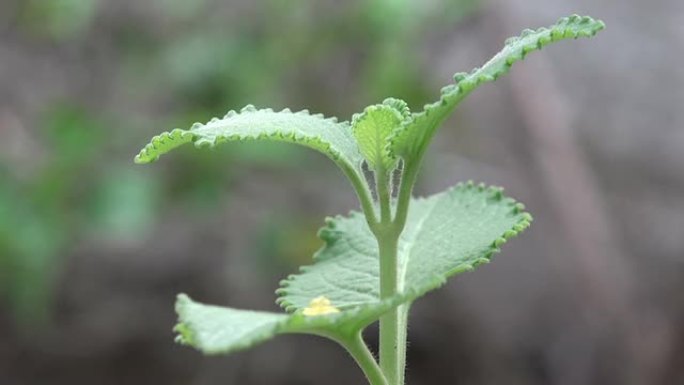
{"x": 320, "y": 306}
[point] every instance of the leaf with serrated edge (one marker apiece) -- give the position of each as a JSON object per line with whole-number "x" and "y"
{"x": 332, "y": 138}
{"x": 411, "y": 139}
{"x": 445, "y": 234}
{"x": 371, "y": 130}
{"x": 398, "y": 105}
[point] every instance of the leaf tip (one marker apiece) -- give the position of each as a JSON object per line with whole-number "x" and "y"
{"x": 184, "y": 335}
{"x": 142, "y": 159}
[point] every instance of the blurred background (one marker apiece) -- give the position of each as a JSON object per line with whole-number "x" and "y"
{"x": 93, "y": 249}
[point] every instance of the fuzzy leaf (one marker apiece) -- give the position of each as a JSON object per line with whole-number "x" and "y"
{"x": 221, "y": 330}
{"x": 412, "y": 138}
{"x": 371, "y": 130}
{"x": 323, "y": 134}
{"x": 400, "y": 106}
{"x": 445, "y": 234}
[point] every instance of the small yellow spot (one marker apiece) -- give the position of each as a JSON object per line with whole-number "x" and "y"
{"x": 320, "y": 306}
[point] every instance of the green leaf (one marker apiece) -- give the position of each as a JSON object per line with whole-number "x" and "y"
{"x": 372, "y": 129}
{"x": 410, "y": 140}
{"x": 326, "y": 135}
{"x": 163, "y": 143}
{"x": 445, "y": 234}
{"x": 400, "y": 106}
{"x": 220, "y": 330}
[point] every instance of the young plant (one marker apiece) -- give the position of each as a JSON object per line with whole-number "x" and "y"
{"x": 374, "y": 264}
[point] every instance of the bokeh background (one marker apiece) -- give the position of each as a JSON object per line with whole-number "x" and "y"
{"x": 93, "y": 249}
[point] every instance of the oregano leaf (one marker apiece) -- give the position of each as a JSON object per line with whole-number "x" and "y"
{"x": 411, "y": 139}
{"x": 327, "y": 135}
{"x": 372, "y": 129}
{"x": 445, "y": 234}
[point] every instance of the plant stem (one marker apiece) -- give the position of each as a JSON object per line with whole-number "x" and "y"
{"x": 364, "y": 195}
{"x": 402, "y": 331}
{"x": 382, "y": 181}
{"x": 408, "y": 179}
{"x": 391, "y": 345}
{"x": 393, "y": 325}
{"x": 364, "y": 358}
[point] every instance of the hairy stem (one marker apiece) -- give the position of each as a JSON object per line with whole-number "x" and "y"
{"x": 382, "y": 181}
{"x": 391, "y": 343}
{"x": 408, "y": 179}
{"x": 364, "y": 195}
{"x": 393, "y": 325}
{"x": 358, "y": 349}
{"x": 402, "y": 321}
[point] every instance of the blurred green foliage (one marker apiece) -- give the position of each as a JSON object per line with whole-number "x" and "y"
{"x": 179, "y": 62}
{"x": 58, "y": 19}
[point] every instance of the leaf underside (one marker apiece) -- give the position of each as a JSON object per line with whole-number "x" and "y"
{"x": 413, "y": 137}
{"x": 446, "y": 234}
